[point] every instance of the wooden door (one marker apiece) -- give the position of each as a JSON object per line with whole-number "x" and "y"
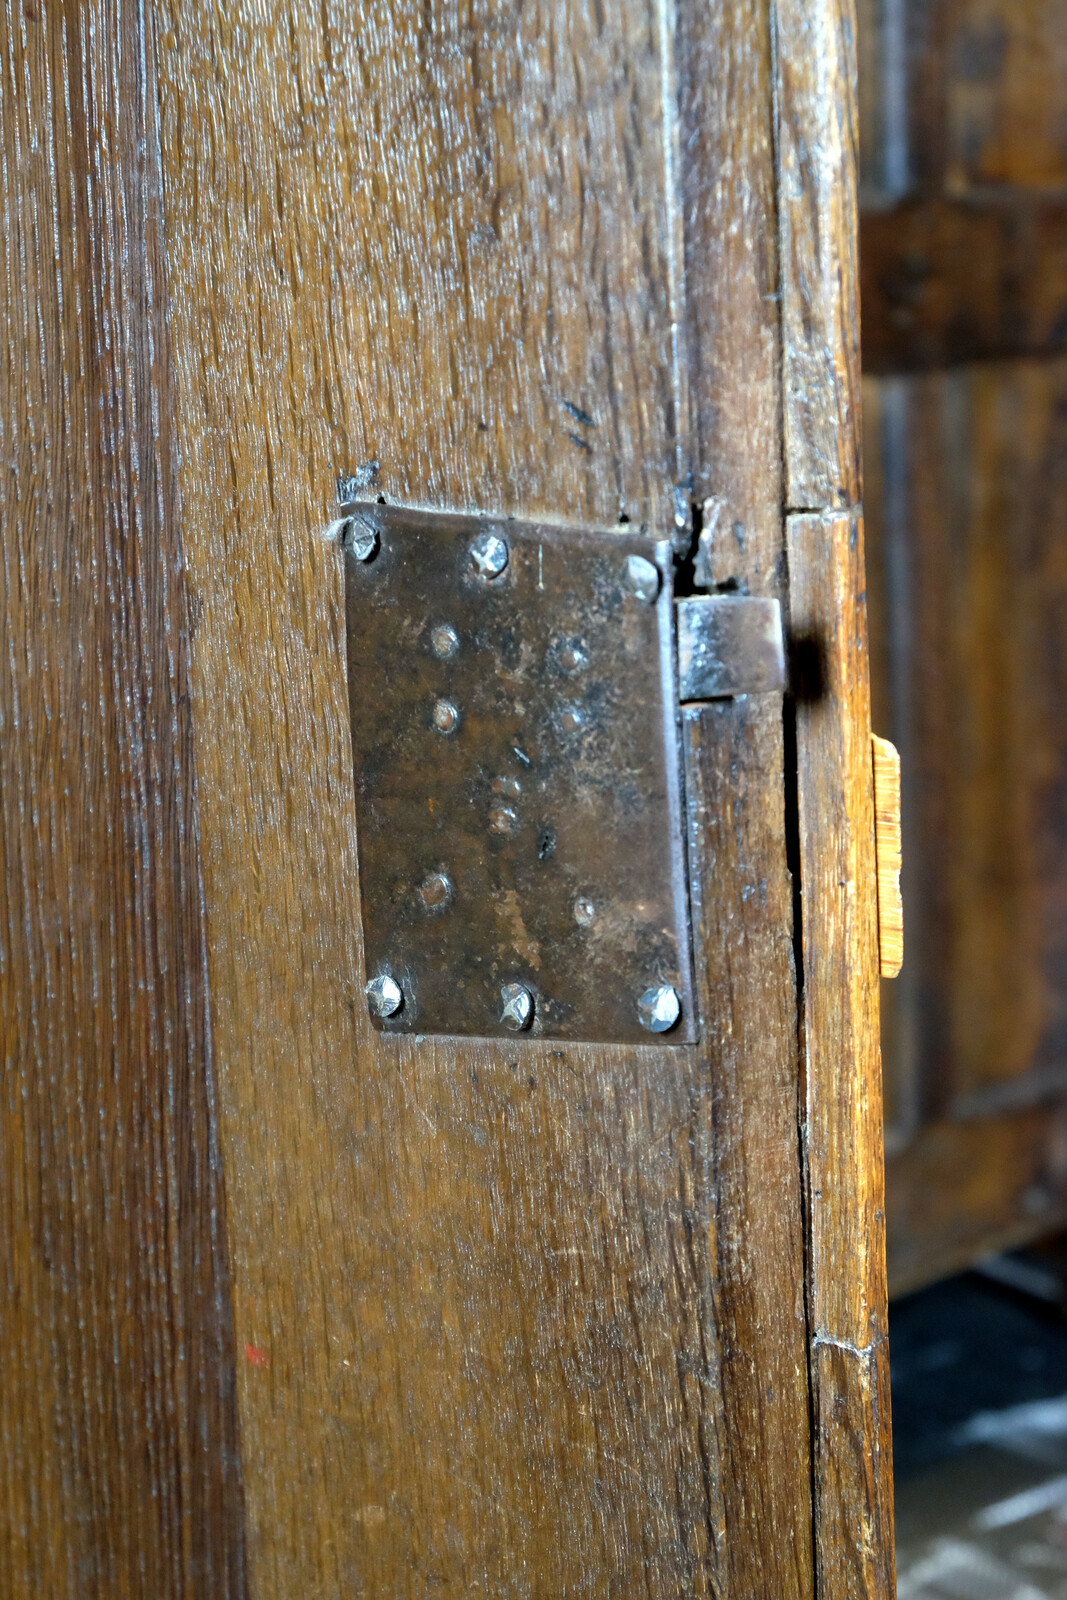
{"x": 291, "y": 1308}
{"x": 962, "y": 247}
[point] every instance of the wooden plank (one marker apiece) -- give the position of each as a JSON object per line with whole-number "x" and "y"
{"x": 950, "y": 280}
{"x": 731, "y": 258}
{"x": 843, "y": 1127}
{"x": 817, "y": 129}
{"x": 887, "y": 855}
{"x": 967, "y": 1188}
{"x": 118, "y": 1454}
{"x": 968, "y": 572}
{"x": 743, "y": 914}
{"x": 475, "y": 1282}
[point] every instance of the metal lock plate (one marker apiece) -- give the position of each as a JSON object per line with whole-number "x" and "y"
{"x": 518, "y": 796}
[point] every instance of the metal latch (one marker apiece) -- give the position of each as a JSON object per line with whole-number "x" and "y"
{"x": 517, "y": 772}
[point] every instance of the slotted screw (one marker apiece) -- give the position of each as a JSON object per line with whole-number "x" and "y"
{"x": 516, "y": 1006}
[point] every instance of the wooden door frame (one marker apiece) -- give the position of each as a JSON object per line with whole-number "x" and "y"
{"x": 777, "y": 1421}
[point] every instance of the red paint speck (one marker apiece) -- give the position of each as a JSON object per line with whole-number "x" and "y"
{"x": 258, "y": 1358}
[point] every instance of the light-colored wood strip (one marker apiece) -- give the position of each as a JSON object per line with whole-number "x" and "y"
{"x": 817, "y": 133}
{"x": 843, "y": 1122}
{"x": 888, "y": 855}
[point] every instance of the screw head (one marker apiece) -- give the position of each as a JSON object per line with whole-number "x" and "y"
{"x": 445, "y": 717}
{"x": 516, "y": 1006}
{"x": 361, "y": 537}
{"x": 659, "y": 1008}
{"x": 502, "y": 820}
{"x": 584, "y": 911}
{"x": 384, "y": 995}
{"x": 434, "y": 891}
{"x": 489, "y": 555}
{"x": 642, "y": 578}
{"x": 444, "y": 641}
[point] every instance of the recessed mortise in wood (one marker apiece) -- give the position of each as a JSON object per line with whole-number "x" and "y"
{"x": 517, "y": 772}
{"x": 888, "y": 852}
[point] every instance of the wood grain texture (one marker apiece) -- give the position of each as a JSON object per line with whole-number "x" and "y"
{"x": 118, "y": 1464}
{"x": 478, "y": 1288}
{"x": 817, "y": 157}
{"x": 963, "y": 97}
{"x": 461, "y": 259}
{"x": 729, "y": 200}
{"x": 946, "y": 281}
{"x": 968, "y": 1188}
{"x": 744, "y": 934}
{"x": 968, "y": 572}
{"x": 887, "y": 855}
{"x": 843, "y": 1125}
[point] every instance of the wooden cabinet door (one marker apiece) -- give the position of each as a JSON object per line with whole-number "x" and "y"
{"x": 291, "y": 1307}
{"x": 964, "y": 333}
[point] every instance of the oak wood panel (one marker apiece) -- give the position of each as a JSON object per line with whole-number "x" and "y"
{"x": 475, "y": 1285}
{"x": 118, "y": 1455}
{"x": 743, "y": 917}
{"x": 457, "y": 255}
{"x": 964, "y": 1189}
{"x": 968, "y": 572}
{"x": 817, "y": 160}
{"x": 963, "y": 97}
{"x": 947, "y": 281}
{"x": 843, "y": 1121}
{"x": 728, "y": 190}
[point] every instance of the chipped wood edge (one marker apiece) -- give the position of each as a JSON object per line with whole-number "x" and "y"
{"x": 887, "y": 849}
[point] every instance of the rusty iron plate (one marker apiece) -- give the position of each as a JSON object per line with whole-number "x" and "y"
{"x": 517, "y": 774}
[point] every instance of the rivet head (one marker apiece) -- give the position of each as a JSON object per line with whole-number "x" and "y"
{"x": 516, "y": 1006}
{"x": 502, "y": 820}
{"x": 570, "y": 719}
{"x": 489, "y": 555}
{"x": 659, "y": 1008}
{"x": 434, "y": 891}
{"x": 642, "y": 578}
{"x": 384, "y": 995}
{"x": 444, "y": 641}
{"x": 584, "y": 911}
{"x": 361, "y": 538}
{"x": 445, "y": 717}
{"x": 507, "y": 786}
{"x": 571, "y": 657}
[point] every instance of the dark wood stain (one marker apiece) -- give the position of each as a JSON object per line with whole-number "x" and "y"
{"x": 963, "y": 265}
{"x": 515, "y": 1316}
{"x": 118, "y": 1470}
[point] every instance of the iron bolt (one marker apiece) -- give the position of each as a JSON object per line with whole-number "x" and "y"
{"x": 444, "y": 641}
{"x": 642, "y": 578}
{"x": 384, "y": 995}
{"x": 434, "y": 890}
{"x": 489, "y": 555}
{"x": 445, "y": 717}
{"x": 516, "y": 1003}
{"x": 659, "y": 1008}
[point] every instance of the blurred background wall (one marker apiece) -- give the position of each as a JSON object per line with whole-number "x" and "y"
{"x": 964, "y": 279}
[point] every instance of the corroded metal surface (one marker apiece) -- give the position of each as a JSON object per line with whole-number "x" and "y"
{"x": 729, "y": 644}
{"x": 517, "y": 777}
